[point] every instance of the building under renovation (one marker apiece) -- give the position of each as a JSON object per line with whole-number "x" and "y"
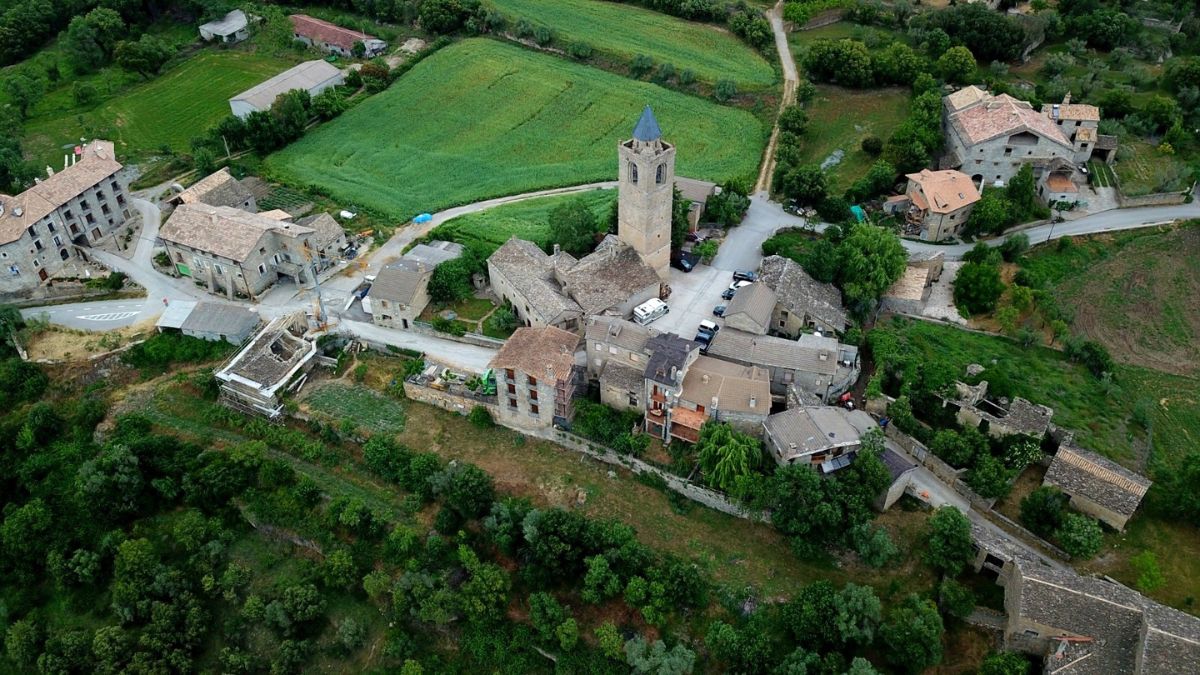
{"x": 277, "y": 360}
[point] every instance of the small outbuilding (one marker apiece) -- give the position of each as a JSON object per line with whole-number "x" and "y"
{"x": 230, "y": 29}
{"x": 824, "y": 436}
{"x": 332, "y": 38}
{"x": 1097, "y": 485}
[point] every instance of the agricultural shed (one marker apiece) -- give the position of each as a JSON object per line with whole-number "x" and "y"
{"x": 311, "y": 76}
{"x": 230, "y": 29}
{"x": 214, "y": 321}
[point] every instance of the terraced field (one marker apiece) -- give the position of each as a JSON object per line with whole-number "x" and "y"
{"x": 625, "y": 31}
{"x": 482, "y": 119}
{"x": 169, "y": 110}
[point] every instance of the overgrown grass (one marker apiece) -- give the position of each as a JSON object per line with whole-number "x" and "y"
{"x": 839, "y": 119}
{"x": 486, "y": 231}
{"x": 168, "y": 110}
{"x": 483, "y": 119}
{"x": 1143, "y": 169}
{"x": 374, "y": 412}
{"x": 625, "y": 31}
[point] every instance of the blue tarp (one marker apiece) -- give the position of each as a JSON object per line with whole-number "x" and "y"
{"x": 423, "y": 218}
{"x": 858, "y": 212}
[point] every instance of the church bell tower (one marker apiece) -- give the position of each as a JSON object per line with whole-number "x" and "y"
{"x": 646, "y": 187}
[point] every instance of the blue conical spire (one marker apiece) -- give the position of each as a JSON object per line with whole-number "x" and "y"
{"x": 647, "y": 127}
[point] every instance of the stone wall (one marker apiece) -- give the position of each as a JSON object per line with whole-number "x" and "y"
{"x": 826, "y": 18}
{"x": 477, "y": 339}
{"x": 445, "y": 400}
{"x": 1159, "y": 199}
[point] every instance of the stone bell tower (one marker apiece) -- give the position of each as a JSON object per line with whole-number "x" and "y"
{"x": 647, "y": 184}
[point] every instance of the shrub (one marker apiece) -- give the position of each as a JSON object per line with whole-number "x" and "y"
{"x": 872, "y": 145}
{"x": 581, "y": 51}
{"x": 481, "y": 418}
{"x": 1080, "y": 536}
{"x": 1042, "y": 510}
{"x": 725, "y": 91}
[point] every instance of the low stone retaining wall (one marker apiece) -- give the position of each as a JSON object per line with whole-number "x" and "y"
{"x": 446, "y": 400}
{"x": 1158, "y": 199}
{"x": 476, "y": 339}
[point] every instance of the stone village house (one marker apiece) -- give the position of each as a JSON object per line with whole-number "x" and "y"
{"x": 1097, "y": 485}
{"x": 41, "y": 228}
{"x": 536, "y": 378}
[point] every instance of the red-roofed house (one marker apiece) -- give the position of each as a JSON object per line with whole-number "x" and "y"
{"x": 332, "y": 38}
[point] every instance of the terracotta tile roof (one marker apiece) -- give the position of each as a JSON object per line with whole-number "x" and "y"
{"x": 1004, "y": 115}
{"x": 1086, "y": 474}
{"x": 223, "y": 231}
{"x": 944, "y": 191}
{"x": 721, "y": 385}
{"x": 330, "y": 33}
{"x": 539, "y": 352}
{"x": 216, "y": 189}
{"x": 97, "y": 163}
{"x": 1072, "y": 111}
{"x": 801, "y": 294}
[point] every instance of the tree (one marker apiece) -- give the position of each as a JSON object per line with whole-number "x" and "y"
{"x": 111, "y": 481}
{"x": 567, "y": 634}
{"x": 872, "y": 145}
{"x": 725, "y": 91}
{"x": 609, "y": 640}
{"x": 805, "y": 184}
{"x": 573, "y": 227}
{"x": 1080, "y": 535}
{"x": 1014, "y": 246}
{"x": 656, "y": 658}
{"x": 23, "y": 642}
{"x": 808, "y": 616}
{"x": 1177, "y": 493}
{"x": 950, "y": 546}
{"x": 897, "y": 64}
{"x": 957, "y": 65}
{"x": 992, "y": 214}
{"x": 146, "y": 56}
{"x": 913, "y": 634}
{"x": 989, "y": 477}
{"x": 873, "y": 545}
{"x": 1004, "y": 663}
{"x": 484, "y": 595}
{"x": 24, "y": 88}
{"x": 858, "y": 616}
{"x": 329, "y": 103}
{"x": 793, "y": 120}
{"x": 466, "y": 488}
{"x": 845, "y": 62}
{"x": 451, "y": 280}
{"x": 871, "y": 260}
{"x": 350, "y": 633}
{"x": 1042, "y": 510}
{"x": 978, "y": 287}
{"x": 1022, "y": 194}
{"x": 727, "y": 456}
{"x": 204, "y": 161}
{"x": 955, "y": 599}
{"x": 546, "y": 615}
{"x": 446, "y": 16}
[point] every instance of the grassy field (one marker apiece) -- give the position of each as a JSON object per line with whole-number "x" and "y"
{"x": 483, "y": 119}
{"x": 1143, "y": 170}
{"x": 1140, "y": 296}
{"x": 839, "y": 119}
{"x": 169, "y": 110}
{"x": 487, "y": 230}
{"x": 625, "y": 31}
{"x": 376, "y": 413}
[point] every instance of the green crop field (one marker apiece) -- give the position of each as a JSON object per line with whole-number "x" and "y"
{"x": 487, "y": 230}
{"x": 876, "y": 112}
{"x": 170, "y": 109}
{"x": 371, "y": 411}
{"x": 626, "y": 31}
{"x": 482, "y": 119}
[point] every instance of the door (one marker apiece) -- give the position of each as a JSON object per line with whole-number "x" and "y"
{"x": 42, "y": 274}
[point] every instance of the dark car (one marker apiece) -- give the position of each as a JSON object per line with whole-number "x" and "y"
{"x": 719, "y": 310}
{"x": 684, "y": 260}
{"x": 728, "y": 294}
{"x": 745, "y": 275}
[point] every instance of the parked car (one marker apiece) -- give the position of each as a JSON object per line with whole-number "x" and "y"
{"x": 745, "y": 275}
{"x": 733, "y": 288}
{"x": 684, "y": 260}
{"x": 694, "y": 236}
{"x": 705, "y": 334}
{"x": 349, "y": 253}
{"x": 719, "y": 310}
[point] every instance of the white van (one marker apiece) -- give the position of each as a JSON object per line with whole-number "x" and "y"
{"x": 650, "y": 310}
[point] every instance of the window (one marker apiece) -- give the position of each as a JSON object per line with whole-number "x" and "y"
{"x": 50, "y": 225}
{"x": 633, "y": 400}
{"x": 533, "y": 395}
{"x": 782, "y": 323}
{"x": 57, "y": 240}
{"x": 509, "y": 374}
{"x": 262, "y": 269}
{"x": 217, "y": 269}
{"x": 115, "y": 187}
{"x": 90, "y": 219}
{"x": 86, "y": 206}
{"x": 532, "y": 380}
{"x": 31, "y": 231}
{"x": 1007, "y": 152}
{"x": 512, "y": 403}
{"x": 512, "y": 389}
{"x": 533, "y": 409}
{"x": 36, "y": 263}
{"x": 1083, "y": 146}
{"x": 74, "y": 229}
{"x": 104, "y": 208}
{"x": 633, "y": 177}
{"x": 14, "y": 270}
{"x": 37, "y": 244}
{"x": 67, "y": 214}
{"x": 978, "y": 162}
{"x": 100, "y": 194}
{"x": 120, "y": 199}
{"x": 660, "y": 174}
{"x": 952, "y": 216}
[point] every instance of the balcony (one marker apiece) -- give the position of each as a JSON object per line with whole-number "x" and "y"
{"x": 685, "y": 434}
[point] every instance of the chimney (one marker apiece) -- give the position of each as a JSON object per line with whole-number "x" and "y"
{"x": 673, "y": 372}
{"x": 714, "y": 403}
{"x": 1067, "y": 99}
{"x": 549, "y": 370}
{"x": 704, "y": 378}
{"x": 1054, "y": 111}
{"x": 557, "y": 249}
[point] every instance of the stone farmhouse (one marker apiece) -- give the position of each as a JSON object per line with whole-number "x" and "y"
{"x": 235, "y": 253}
{"x": 313, "y": 77}
{"x": 989, "y": 137}
{"x": 332, "y": 38}
{"x": 228, "y": 30}
{"x": 1097, "y": 485}
{"x": 697, "y": 192}
{"x": 536, "y": 378}
{"x": 936, "y": 204}
{"x": 813, "y": 368}
{"x": 802, "y": 303}
{"x": 825, "y": 437}
{"x": 751, "y": 309}
{"x": 400, "y": 291}
{"x": 45, "y": 227}
{"x": 218, "y": 189}
{"x": 910, "y": 293}
{"x": 617, "y": 355}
